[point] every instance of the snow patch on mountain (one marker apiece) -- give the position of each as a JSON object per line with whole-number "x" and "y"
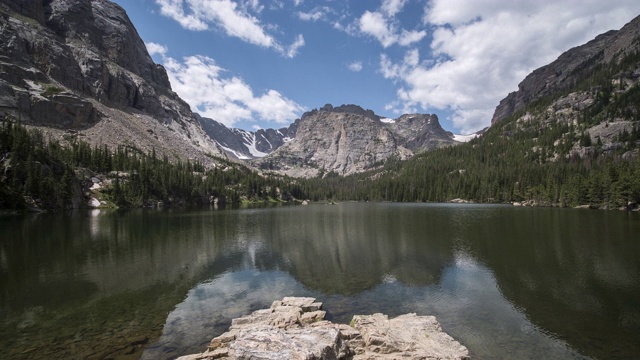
{"x": 234, "y": 153}
{"x": 251, "y": 146}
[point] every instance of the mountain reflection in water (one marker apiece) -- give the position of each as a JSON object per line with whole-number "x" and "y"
{"x": 506, "y": 282}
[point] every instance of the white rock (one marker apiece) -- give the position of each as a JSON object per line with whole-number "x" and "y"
{"x": 93, "y": 202}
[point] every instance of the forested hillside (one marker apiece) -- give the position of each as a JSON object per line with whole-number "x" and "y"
{"x": 573, "y": 147}
{"x": 40, "y": 173}
{"x": 578, "y": 146}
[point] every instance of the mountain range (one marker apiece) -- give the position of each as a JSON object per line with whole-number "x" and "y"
{"x": 77, "y": 69}
{"x": 344, "y": 140}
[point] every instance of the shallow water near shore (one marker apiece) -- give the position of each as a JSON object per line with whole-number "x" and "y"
{"x": 506, "y": 282}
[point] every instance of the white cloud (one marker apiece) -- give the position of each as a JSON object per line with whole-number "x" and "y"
{"x": 355, "y": 66}
{"x": 482, "y": 49}
{"x": 392, "y": 7}
{"x": 297, "y": 2}
{"x": 155, "y": 48}
{"x": 254, "y": 5}
{"x": 316, "y": 14}
{"x": 174, "y": 10}
{"x": 234, "y": 20}
{"x": 297, "y": 44}
{"x": 407, "y": 38}
{"x": 202, "y": 84}
{"x": 276, "y": 4}
{"x": 382, "y": 25}
{"x": 376, "y": 25}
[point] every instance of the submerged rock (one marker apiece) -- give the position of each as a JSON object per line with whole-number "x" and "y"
{"x": 294, "y": 328}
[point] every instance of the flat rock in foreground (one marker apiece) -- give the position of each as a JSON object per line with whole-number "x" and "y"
{"x": 294, "y": 328}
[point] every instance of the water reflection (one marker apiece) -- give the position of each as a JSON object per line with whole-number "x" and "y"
{"x": 81, "y": 285}
{"x": 507, "y": 282}
{"x": 210, "y": 306}
{"x": 580, "y": 267}
{"x": 336, "y": 250}
{"x": 467, "y": 301}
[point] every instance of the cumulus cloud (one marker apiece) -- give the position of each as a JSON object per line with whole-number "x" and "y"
{"x": 376, "y": 25}
{"x": 174, "y": 9}
{"x": 228, "y": 99}
{"x": 234, "y": 20}
{"x": 355, "y": 66}
{"x": 382, "y": 25}
{"x": 481, "y": 50}
{"x": 156, "y": 49}
{"x": 392, "y": 7}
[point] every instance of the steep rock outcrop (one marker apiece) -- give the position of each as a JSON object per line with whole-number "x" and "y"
{"x": 351, "y": 109}
{"x": 294, "y": 328}
{"x": 420, "y": 132}
{"x": 348, "y": 139}
{"x": 570, "y": 68}
{"x": 328, "y": 141}
{"x": 81, "y": 65}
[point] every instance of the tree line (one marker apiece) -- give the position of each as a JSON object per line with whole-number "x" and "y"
{"x": 40, "y": 172}
{"x": 547, "y": 160}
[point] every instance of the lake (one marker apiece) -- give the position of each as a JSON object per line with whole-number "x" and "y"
{"x": 507, "y": 282}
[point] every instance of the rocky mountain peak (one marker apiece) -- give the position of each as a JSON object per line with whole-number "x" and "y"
{"x": 347, "y": 109}
{"x": 348, "y": 139}
{"x": 81, "y": 65}
{"x": 420, "y": 132}
{"x": 334, "y": 141}
{"x": 107, "y": 29}
{"x": 570, "y": 67}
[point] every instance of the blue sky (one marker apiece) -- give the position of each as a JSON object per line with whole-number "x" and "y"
{"x": 260, "y": 64}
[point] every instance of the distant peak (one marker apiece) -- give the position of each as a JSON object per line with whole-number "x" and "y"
{"x": 350, "y": 109}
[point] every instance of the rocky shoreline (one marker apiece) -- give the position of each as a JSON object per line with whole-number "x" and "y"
{"x": 294, "y": 328}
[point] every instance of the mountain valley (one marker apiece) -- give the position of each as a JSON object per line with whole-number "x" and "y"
{"x": 77, "y": 72}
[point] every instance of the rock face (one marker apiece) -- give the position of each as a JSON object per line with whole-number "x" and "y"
{"x": 585, "y": 92}
{"x": 294, "y": 328}
{"x": 348, "y": 139}
{"x": 344, "y": 143}
{"x": 81, "y": 65}
{"x": 570, "y": 67}
{"x": 420, "y": 132}
{"x": 344, "y": 140}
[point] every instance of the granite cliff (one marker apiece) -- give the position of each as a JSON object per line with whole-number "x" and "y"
{"x": 78, "y": 68}
{"x": 570, "y": 68}
{"x": 582, "y": 105}
{"x": 344, "y": 140}
{"x": 348, "y": 139}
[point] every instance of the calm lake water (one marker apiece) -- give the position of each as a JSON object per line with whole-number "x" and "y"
{"x": 506, "y": 282}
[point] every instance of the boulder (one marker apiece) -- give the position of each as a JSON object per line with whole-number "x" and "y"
{"x": 406, "y": 336}
{"x": 294, "y": 328}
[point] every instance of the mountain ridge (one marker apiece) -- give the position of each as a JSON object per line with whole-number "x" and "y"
{"x": 348, "y": 139}
{"x": 571, "y": 65}
{"x": 306, "y": 156}
{"x": 79, "y": 69}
